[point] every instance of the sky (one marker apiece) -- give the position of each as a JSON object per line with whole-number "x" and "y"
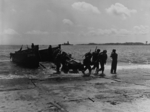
{"x": 77, "y": 21}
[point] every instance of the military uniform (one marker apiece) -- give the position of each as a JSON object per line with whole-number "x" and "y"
{"x": 103, "y": 57}
{"x": 96, "y": 59}
{"x": 114, "y": 57}
{"x": 87, "y": 62}
{"x": 57, "y": 61}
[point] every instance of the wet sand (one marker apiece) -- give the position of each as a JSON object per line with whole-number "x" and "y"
{"x": 128, "y": 92}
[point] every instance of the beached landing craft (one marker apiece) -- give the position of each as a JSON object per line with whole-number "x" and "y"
{"x": 31, "y": 57}
{"x": 27, "y": 58}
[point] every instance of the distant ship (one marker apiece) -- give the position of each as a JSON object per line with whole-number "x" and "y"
{"x": 67, "y": 43}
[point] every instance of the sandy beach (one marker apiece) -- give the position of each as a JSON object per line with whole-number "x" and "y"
{"x": 128, "y": 92}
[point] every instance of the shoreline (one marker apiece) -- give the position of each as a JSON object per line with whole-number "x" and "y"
{"x": 48, "y": 72}
{"x": 74, "y": 93}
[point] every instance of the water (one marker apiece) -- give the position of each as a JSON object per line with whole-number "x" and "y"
{"x": 129, "y": 57}
{"x": 127, "y": 54}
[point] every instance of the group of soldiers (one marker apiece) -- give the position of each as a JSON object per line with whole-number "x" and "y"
{"x": 98, "y": 59}
{"x": 92, "y": 60}
{"x": 95, "y": 58}
{"x": 65, "y": 61}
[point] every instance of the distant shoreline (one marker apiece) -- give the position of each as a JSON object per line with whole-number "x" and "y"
{"x": 126, "y": 43}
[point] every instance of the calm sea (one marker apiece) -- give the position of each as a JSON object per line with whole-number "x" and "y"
{"x": 135, "y": 55}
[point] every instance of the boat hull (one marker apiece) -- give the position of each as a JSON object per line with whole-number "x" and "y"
{"x": 27, "y": 58}
{"x": 45, "y": 55}
{"x": 48, "y": 55}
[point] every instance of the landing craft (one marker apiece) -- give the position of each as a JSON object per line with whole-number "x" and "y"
{"x": 31, "y": 57}
{"x": 27, "y": 58}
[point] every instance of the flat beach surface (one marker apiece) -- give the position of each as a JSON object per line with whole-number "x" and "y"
{"x": 128, "y": 92}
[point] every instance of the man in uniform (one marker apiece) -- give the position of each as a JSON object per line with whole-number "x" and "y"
{"x": 114, "y": 57}
{"x": 103, "y": 57}
{"x": 32, "y": 45}
{"x": 87, "y": 62}
{"x": 57, "y": 61}
{"x": 65, "y": 59}
{"x": 96, "y": 60}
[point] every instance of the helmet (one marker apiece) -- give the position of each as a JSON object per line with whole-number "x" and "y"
{"x": 98, "y": 50}
{"x": 114, "y": 50}
{"x": 104, "y": 51}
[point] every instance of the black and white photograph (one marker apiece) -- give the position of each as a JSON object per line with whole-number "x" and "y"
{"x": 74, "y": 55}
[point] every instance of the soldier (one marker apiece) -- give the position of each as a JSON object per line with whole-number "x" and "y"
{"x": 59, "y": 46}
{"x": 65, "y": 58}
{"x": 32, "y": 45}
{"x": 50, "y": 51}
{"x": 103, "y": 60}
{"x": 57, "y": 61}
{"x": 96, "y": 59}
{"x": 87, "y": 62}
{"x": 114, "y": 57}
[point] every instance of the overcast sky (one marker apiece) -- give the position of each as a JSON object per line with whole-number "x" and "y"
{"x": 77, "y": 21}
